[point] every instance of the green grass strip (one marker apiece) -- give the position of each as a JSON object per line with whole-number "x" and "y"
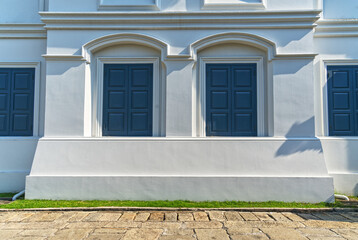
{"x": 21, "y": 204}
{"x": 7, "y": 195}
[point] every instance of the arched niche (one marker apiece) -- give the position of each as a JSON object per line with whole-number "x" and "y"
{"x": 234, "y": 48}
{"x": 122, "y": 49}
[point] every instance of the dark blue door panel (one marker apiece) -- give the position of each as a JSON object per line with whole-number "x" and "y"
{"x": 16, "y": 101}
{"x": 342, "y": 100}
{"x": 231, "y": 100}
{"x": 127, "y": 100}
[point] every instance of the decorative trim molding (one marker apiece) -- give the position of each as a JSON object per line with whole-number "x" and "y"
{"x": 36, "y": 66}
{"x": 294, "y": 56}
{"x": 243, "y": 38}
{"x": 336, "y": 28}
{"x": 180, "y": 20}
{"x": 123, "y": 38}
{"x": 22, "y": 31}
{"x": 201, "y": 109}
{"x": 232, "y": 4}
{"x": 129, "y": 5}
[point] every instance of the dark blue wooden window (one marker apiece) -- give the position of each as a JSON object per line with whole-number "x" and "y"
{"x": 127, "y": 100}
{"x": 343, "y": 100}
{"x": 231, "y": 104}
{"x": 16, "y": 101}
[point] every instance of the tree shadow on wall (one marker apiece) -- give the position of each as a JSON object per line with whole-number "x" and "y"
{"x": 296, "y": 145}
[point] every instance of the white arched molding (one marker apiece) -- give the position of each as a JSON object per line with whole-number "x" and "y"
{"x": 94, "y": 78}
{"x": 240, "y": 38}
{"x": 263, "y": 77}
{"x": 123, "y": 38}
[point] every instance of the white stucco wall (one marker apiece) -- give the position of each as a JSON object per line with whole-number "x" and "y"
{"x": 19, "y": 11}
{"x": 294, "y": 106}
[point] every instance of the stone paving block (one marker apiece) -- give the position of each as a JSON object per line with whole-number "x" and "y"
{"x": 279, "y": 217}
{"x": 307, "y": 216}
{"x": 71, "y": 234}
{"x": 324, "y": 216}
{"x": 125, "y": 224}
{"x": 78, "y": 216}
{"x": 6, "y": 216}
{"x": 238, "y": 230}
{"x": 50, "y": 217}
{"x": 9, "y": 234}
{"x": 250, "y": 237}
{"x": 216, "y": 216}
{"x": 317, "y": 232}
{"x": 293, "y": 216}
{"x": 65, "y": 217}
{"x": 20, "y": 216}
{"x": 127, "y": 216}
{"x": 211, "y": 234}
{"x": 110, "y": 231}
{"x": 104, "y": 237}
{"x": 265, "y": 224}
{"x": 35, "y": 225}
{"x": 263, "y": 216}
{"x": 350, "y": 216}
{"x": 248, "y": 216}
{"x": 156, "y": 216}
{"x": 161, "y": 225}
{"x": 233, "y": 216}
{"x": 176, "y": 237}
{"x": 38, "y": 232}
{"x": 279, "y": 233}
{"x": 171, "y": 216}
{"x": 350, "y": 234}
{"x": 80, "y": 225}
{"x": 325, "y": 238}
{"x": 185, "y": 217}
{"x": 330, "y": 224}
{"x": 142, "y": 217}
{"x": 142, "y": 234}
{"x": 201, "y": 216}
{"x": 206, "y": 225}
{"x": 29, "y": 238}
{"x": 110, "y": 217}
{"x": 337, "y": 217}
{"x": 93, "y": 217}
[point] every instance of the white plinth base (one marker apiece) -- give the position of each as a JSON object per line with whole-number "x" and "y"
{"x": 212, "y": 188}
{"x": 345, "y": 183}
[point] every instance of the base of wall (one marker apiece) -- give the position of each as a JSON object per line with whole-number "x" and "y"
{"x": 12, "y": 181}
{"x": 211, "y": 188}
{"x": 345, "y": 183}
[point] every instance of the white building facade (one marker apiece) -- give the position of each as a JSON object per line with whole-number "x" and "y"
{"x": 250, "y": 100}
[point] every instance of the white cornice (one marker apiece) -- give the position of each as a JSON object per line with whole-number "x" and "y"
{"x": 337, "y": 28}
{"x": 180, "y": 20}
{"x": 22, "y": 31}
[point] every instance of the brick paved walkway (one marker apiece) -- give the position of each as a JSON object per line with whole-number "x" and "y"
{"x": 179, "y": 225}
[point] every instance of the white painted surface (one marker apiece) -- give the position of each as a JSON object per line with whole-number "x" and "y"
{"x": 340, "y": 9}
{"x": 183, "y": 157}
{"x": 15, "y": 165}
{"x": 211, "y": 188}
{"x": 19, "y": 11}
{"x": 178, "y": 33}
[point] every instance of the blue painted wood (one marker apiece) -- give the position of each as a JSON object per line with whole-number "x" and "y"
{"x": 127, "y": 100}
{"x": 343, "y": 100}
{"x": 16, "y": 101}
{"x": 231, "y": 105}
